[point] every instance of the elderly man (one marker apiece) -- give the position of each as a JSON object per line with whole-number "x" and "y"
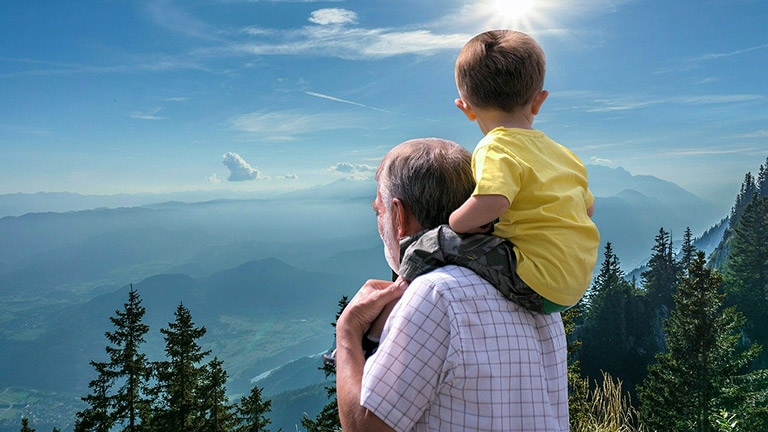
{"x": 455, "y": 354}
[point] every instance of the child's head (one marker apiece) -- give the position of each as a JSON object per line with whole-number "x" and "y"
{"x": 500, "y": 69}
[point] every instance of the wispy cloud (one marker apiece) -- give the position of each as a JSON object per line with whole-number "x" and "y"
{"x": 147, "y": 115}
{"x": 705, "y": 151}
{"x": 291, "y": 122}
{"x": 136, "y": 64}
{"x": 288, "y": 177}
{"x": 26, "y": 130}
{"x": 762, "y": 133}
{"x": 240, "y": 170}
{"x": 168, "y": 15}
{"x": 213, "y": 179}
{"x": 630, "y": 103}
{"x": 348, "y": 43}
{"x": 694, "y": 62}
{"x": 335, "y": 99}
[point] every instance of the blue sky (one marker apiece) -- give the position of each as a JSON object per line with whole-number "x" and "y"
{"x": 155, "y": 96}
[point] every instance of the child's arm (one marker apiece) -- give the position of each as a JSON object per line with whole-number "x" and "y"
{"x": 591, "y": 210}
{"x": 477, "y": 211}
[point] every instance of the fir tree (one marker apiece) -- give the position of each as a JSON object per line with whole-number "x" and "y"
{"x": 687, "y": 251}
{"x": 328, "y": 418}
{"x": 746, "y": 274}
{"x": 252, "y": 412}
{"x": 748, "y": 188}
{"x": 98, "y": 416}
{"x": 25, "y": 425}
{"x": 613, "y": 323}
{"x": 660, "y": 279}
{"x": 762, "y": 179}
{"x": 179, "y": 377}
{"x": 127, "y": 364}
{"x": 56, "y": 430}
{"x": 217, "y": 413}
{"x": 683, "y": 391}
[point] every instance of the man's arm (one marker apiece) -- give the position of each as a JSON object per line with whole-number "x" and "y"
{"x": 352, "y": 324}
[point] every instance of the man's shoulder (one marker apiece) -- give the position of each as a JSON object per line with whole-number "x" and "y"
{"x": 453, "y": 283}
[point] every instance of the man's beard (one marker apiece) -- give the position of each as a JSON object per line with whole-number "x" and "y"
{"x": 391, "y": 244}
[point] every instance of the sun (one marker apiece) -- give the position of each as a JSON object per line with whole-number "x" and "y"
{"x": 513, "y": 10}
{"x": 515, "y": 14}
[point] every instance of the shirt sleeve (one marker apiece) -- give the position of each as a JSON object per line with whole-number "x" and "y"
{"x": 401, "y": 379}
{"x": 496, "y": 173}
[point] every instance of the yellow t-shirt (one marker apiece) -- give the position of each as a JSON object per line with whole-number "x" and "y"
{"x": 555, "y": 241}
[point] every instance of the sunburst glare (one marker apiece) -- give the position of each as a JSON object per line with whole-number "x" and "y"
{"x": 523, "y": 15}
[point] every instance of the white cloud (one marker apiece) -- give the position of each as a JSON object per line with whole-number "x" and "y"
{"x": 240, "y": 170}
{"x": 356, "y": 171}
{"x": 288, "y": 177}
{"x": 601, "y": 161}
{"x": 213, "y": 179}
{"x": 333, "y": 16}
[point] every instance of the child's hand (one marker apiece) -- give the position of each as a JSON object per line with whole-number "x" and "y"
{"x": 378, "y": 324}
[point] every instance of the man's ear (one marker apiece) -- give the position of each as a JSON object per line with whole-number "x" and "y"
{"x": 466, "y": 109}
{"x": 400, "y": 218}
{"x": 538, "y": 101}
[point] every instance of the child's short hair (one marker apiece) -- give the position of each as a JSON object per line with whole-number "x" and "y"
{"x": 500, "y": 69}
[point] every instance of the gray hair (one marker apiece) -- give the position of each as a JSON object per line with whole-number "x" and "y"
{"x": 431, "y": 176}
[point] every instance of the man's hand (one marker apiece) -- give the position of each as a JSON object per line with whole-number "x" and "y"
{"x": 368, "y": 303}
{"x": 357, "y": 317}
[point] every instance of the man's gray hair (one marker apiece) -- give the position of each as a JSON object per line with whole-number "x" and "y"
{"x": 432, "y": 177}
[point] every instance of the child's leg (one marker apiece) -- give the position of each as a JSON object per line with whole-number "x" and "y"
{"x": 492, "y": 258}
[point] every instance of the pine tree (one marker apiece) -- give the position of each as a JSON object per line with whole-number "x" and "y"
{"x": 127, "y": 364}
{"x": 98, "y": 416}
{"x": 25, "y": 425}
{"x": 660, "y": 280}
{"x": 252, "y": 412}
{"x": 216, "y": 413}
{"x": 56, "y": 430}
{"x": 687, "y": 251}
{"x": 748, "y": 188}
{"x": 613, "y": 322}
{"x": 179, "y": 377}
{"x": 684, "y": 390}
{"x": 762, "y": 179}
{"x": 746, "y": 274}
{"x": 328, "y": 418}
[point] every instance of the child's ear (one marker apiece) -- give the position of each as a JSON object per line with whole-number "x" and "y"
{"x": 466, "y": 109}
{"x": 538, "y": 101}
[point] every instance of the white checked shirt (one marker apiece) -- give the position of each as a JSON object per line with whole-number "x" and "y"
{"x": 456, "y": 355}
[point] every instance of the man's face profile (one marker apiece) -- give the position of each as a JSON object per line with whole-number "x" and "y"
{"x": 387, "y": 232}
